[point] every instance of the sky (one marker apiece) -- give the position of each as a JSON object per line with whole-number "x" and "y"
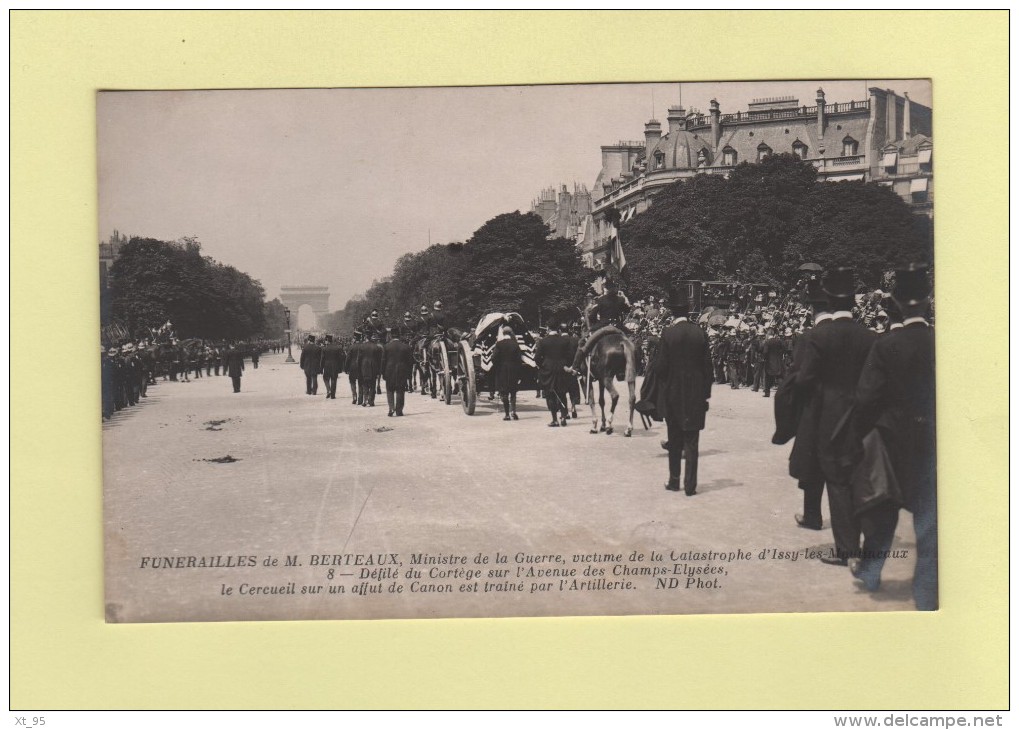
{"x": 331, "y": 186}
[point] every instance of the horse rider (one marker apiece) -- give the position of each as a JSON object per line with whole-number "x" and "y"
{"x": 605, "y": 315}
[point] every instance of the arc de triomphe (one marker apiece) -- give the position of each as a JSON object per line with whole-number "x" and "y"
{"x": 317, "y": 297}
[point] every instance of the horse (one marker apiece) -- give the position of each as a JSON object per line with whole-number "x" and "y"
{"x": 612, "y": 358}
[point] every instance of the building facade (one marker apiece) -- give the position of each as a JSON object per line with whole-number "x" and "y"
{"x": 563, "y": 211}
{"x": 885, "y": 138}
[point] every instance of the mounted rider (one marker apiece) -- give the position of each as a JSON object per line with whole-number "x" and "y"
{"x": 604, "y": 316}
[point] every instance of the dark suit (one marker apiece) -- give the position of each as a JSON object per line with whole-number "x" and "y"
{"x": 235, "y": 367}
{"x": 352, "y": 366}
{"x": 552, "y": 355}
{"x": 773, "y": 353}
{"x": 683, "y": 373}
{"x": 370, "y": 368}
{"x": 398, "y": 360}
{"x": 804, "y": 465}
{"x": 832, "y": 359}
{"x": 311, "y": 355}
{"x": 331, "y": 363}
{"x": 896, "y": 395}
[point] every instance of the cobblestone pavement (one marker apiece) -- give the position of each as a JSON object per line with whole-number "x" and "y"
{"x": 314, "y": 478}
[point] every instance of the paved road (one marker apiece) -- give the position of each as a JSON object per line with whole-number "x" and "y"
{"x": 315, "y": 478}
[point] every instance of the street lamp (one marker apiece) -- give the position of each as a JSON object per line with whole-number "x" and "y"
{"x": 290, "y": 354}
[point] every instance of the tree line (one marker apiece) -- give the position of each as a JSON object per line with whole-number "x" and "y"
{"x": 508, "y": 265}
{"x": 152, "y": 282}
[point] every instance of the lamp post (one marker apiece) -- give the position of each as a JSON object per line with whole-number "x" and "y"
{"x": 290, "y": 354}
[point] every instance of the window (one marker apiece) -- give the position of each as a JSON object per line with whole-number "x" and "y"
{"x": 849, "y": 147}
{"x": 763, "y": 152}
{"x": 659, "y": 160}
{"x": 729, "y": 157}
{"x": 800, "y": 149}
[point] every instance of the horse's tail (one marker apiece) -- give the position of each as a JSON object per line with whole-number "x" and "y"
{"x": 631, "y": 360}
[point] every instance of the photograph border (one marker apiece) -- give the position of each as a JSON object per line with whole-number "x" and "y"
{"x": 60, "y": 59}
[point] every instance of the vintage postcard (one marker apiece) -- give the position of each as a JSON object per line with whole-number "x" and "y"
{"x": 562, "y": 350}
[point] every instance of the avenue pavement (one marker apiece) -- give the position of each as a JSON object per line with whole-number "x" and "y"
{"x": 310, "y": 476}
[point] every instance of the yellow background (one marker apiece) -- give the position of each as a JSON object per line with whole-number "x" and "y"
{"x": 63, "y": 655}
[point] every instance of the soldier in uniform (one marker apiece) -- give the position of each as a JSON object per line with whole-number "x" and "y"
{"x": 311, "y": 356}
{"x": 683, "y": 374}
{"x": 330, "y": 363}
{"x": 352, "y": 366}
{"x": 895, "y": 394}
{"x": 109, "y": 375}
{"x": 833, "y": 357}
{"x": 398, "y": 359}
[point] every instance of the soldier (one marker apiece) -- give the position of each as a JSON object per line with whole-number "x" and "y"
{"x": 572, "y": 379}
{"x": 330, "y": 363}
{"x": 352, "y": 366}
{"x": 733, "y": 355}
{"x": 311, "y": 356}
{"x": 773, "y": 353}
{"x": 830, "y": 368}
{"x": 896, "y": 396}
{"x": 373, "y": 325}
{"x": 109, "y": 376}
{"x": 132, "y": 373}
{"x": 398, "y": 359}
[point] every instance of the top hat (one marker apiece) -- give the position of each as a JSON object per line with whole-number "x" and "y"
{"x": 839, "y": 283}
{"x": 679, "y": 302}
{"x": 912, "y": 285}
{"x": 328, "y": 338}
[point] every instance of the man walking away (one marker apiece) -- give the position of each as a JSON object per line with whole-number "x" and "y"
{"x": 684, "y": 372}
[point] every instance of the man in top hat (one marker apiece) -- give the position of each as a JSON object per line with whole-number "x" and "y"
{"x": 832, "y": 359}
{"x": 370, "y": 367}
{"x": 352, "y": 366}
{"x": 804, "y": 465}
{"x": 605, "y": 315}
{"x": 398, "y": 360}
{"x": 331, "y": 363}
{"x": 683, "y": 371}
{"x": 895, "y": 394}
{"x": 311, "y": 357}
{"x": 235, "y": 366}
{"x": 552, "y": 355}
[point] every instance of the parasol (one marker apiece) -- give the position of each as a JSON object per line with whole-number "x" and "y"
{"x": 810, "y": 267}
{"x": 718, "y": 317}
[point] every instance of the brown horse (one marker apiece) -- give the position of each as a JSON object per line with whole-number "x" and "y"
{"x": 613, "y": 357}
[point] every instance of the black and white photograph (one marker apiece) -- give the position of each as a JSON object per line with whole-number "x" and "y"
{"x": 518, "y": 351}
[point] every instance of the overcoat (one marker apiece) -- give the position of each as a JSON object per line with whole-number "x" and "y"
{"x": 370, "y": 364}
{"x": 311, "y": 354}
{"x": 234, "y": 362}
{"x": 552, "y": 355}
{"x": 352, "y": 363}
{"x": 397, "y": 366}
{"x": 896, "y": 395}
{"x": 684, "y": 375}
{"x": 832, "y": 359}
{"x": 507, "y": 364}
{"x": 331, "y": 360}
{"x": 774, "y": 350}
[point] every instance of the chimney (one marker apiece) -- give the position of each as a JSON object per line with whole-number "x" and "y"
{"x": 821, "y": 122}
{"x": 716, "y": 123}
{"x": 907, "y": 131}
{"x": 677, "y": 119}
{"x": 890, "y": 124}
{"x": 652, "y": 135}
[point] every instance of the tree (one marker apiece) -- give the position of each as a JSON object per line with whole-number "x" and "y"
{"x": 762, "y": 222}
{"x": 275, "y": 317}
{"x": 154, "y": 281}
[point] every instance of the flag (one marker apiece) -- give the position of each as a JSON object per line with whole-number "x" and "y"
{"x": 616, "y": 255}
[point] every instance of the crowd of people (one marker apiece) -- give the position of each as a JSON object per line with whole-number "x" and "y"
{"x": 852, "y": 374}
{"x": 129, "y": 367}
